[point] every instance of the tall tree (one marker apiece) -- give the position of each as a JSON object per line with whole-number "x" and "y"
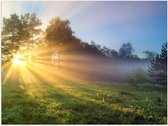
{"x": 11, "y": 33}
{"x": 59, "y": 36}
{"x": 30, "y": 28}
{"x": 126, "y": 50}
{"x": 18, "y": 31}
{"x": 158, "y": 68}
{"x": 58, "y": 32}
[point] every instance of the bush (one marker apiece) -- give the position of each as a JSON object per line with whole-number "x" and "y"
{"x": 139, "y": 76}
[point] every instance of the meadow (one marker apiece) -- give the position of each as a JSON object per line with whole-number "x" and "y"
{"x": 64, "y": 101}
{"x": 84, "y": 62}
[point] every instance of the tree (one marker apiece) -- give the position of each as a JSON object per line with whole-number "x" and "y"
{"x": 58, "y": 32}
{"x": 150, "y": 55}
{"x": 109, "y": 52}
{"x": 18, "y": 31}
{"x": 158, "y": 67}
{"x": 30, "y": 28}
{"x": 113, "y": 53}
{"x": 105, "y": 51}
{"x": 138, "y": 77}
{"x": 94, "y": 45}
{"x": 126, "y": 50}
{"x": 11, "y": 33}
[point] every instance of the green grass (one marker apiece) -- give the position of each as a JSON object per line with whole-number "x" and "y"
{"x": 68, "y": 102}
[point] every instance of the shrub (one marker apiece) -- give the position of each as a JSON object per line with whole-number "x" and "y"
{"x": 138, "y": 77}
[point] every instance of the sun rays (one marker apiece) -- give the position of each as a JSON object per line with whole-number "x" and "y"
{"x": 31, "y": 72}
{"x": 36, "y": 70}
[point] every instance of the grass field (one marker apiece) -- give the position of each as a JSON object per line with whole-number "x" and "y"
{"x": 81, "y": 102}
{"x": 41, "y": 94}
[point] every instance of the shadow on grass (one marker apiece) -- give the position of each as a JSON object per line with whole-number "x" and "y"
{"x": 60, "y": 106}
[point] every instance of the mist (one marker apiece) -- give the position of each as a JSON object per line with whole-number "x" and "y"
{"x": 101, "y": 69}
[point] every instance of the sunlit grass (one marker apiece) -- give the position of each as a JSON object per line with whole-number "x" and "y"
{"x": 40, "y": 93}
{"x": 85, "y": 102}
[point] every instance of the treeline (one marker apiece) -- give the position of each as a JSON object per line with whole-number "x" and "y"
{"x": 24, "y": 32}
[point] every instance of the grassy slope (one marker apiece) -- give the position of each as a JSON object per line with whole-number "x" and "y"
{"x": 68, "y": 102}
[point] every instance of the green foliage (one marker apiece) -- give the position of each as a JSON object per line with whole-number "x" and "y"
{"x": 58, "y": 31}
{"x": 30, "y": 27}
{"x": 11, "y": 33}
{"x": 67, "y": 102}
{"x": 138, "y": 77}
{"x": 17, "y": 31}
{"x": 126, "y": 50}
{"x": 158, "y": 67}
{"x": 24, "y": 31}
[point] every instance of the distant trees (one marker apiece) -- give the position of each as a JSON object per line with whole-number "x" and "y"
{"x": 94, "y": 48}
{"x": 94, "y": 45}
{"x": 111, "y": 53}
{"x": 150, "y": 55}
{"x": 126, "y": 50}
{"x": 158, "y": 67}
{"x": 105, "y": 51}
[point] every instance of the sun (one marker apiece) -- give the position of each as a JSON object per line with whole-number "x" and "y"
{"x": 17, "y": 59}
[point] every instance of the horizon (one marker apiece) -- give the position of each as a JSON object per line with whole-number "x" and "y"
{"x": 110, "y": 24}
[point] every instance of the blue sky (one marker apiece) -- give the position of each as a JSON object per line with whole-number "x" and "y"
{"x": 111, "y": 23}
